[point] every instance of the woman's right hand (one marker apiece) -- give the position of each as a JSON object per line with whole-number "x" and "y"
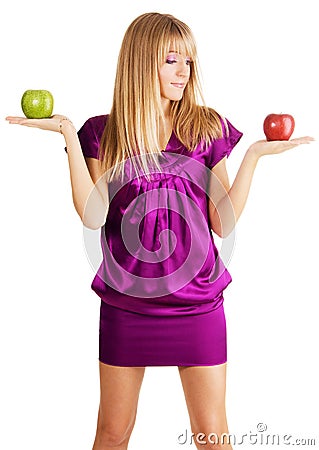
{"x": 55, "y": 123}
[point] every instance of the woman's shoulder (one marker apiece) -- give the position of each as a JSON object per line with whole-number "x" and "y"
{"x": 210, "y": 115}
{"x": 93, "y": 127}
{"x": 222, "y": 122}
{"x": 90, "y": 135}
{"x": 96, "y": 122}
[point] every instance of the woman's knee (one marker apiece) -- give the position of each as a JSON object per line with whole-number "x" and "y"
{"x": 118, "y": 405}
{"x": 211, "y": 433}
{"x": 113, "y": 435}
{"x": 211, "y": 440}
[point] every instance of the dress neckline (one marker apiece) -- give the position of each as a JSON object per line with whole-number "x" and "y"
{"x": 173, "y": 143}
{"x": 167, "y": 143}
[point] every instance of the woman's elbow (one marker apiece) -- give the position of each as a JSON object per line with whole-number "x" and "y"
{"x": 222, "y": 232}
{"x": 93, "y": 221}
{"x": 93, "y": 216}
{"x": 92, "y": 225}
{"x": 222, "y": 227}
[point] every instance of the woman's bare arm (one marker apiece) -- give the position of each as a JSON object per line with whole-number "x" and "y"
{"x": 227, "y": 203}
{"x": 89, "y": 193}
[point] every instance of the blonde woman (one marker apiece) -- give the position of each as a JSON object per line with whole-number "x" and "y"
{"x": 152, "y": 175}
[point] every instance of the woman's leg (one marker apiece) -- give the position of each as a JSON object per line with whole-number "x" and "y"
{"x": 204, "y": 388}
{"x": 120, "y": 388}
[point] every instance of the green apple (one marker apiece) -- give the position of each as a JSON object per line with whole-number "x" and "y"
{"x": 37, "y": 104}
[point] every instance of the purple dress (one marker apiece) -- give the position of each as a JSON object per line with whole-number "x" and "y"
{"x": 162, "y": 279}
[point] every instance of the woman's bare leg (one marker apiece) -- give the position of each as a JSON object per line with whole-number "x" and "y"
{"x": 204, "y": 388}
{"x": 120, "y": 388}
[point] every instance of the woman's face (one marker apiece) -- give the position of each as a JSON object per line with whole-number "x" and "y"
{"x": 174, "y": 76}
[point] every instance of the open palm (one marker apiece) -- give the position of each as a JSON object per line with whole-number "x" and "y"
{"x": 50, "y": 124}
{"x": 264, "y": 147}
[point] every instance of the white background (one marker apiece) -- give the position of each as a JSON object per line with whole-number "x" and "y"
{"x": 256, "y": 58}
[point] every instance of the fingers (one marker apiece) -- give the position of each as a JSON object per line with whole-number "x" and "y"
{"x": 15, "y": 120}
{"x": 282, "y": 146}
{"x": 302, "y": 140}
{"x": 264, "y": 147}
{"x": 50, "y": 124}
{"x": 278, "y": 146}
{"x": 40, "y": 123}
{"x": 23, "y": 121}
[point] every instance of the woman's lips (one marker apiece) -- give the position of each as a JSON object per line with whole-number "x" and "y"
{"x": 179, "y": 85}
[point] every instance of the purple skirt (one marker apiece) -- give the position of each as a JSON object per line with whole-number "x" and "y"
{"x": 130, "y": 339}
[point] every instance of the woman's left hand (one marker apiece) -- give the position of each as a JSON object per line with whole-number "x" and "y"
{"x": 261, "y": 148}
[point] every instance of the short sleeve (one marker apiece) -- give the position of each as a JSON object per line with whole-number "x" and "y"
{"x": 90, "y": 135}
{"x": 219, "y": 148}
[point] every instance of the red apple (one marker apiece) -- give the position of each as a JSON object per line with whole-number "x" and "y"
{"x": 279, "y": 127}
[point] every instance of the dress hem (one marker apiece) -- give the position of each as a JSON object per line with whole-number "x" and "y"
{"x": 166, "y": 365}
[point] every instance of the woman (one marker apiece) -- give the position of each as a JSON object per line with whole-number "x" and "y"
{"x": 153, "y": 175}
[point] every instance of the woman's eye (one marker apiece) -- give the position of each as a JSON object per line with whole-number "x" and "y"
{"x": 175, "y": 61}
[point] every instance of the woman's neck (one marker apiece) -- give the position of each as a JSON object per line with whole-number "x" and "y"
{"x": 165, "y": 133}
{"x": 166, "y": 107}
{"x": 166, "y": 126}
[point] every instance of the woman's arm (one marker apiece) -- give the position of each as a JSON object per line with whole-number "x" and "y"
{"x": 89, "y": 192}
{"x": 227, "y": 203}
{"x": 89, "y": 188}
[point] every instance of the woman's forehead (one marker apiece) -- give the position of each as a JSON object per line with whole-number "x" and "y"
{"x": 181, "y": 46}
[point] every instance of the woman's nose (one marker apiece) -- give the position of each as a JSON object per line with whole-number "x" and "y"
{"x": 183, "y": 69}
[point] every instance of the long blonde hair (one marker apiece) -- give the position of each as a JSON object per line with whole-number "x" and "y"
{"x": 133, "y": 125}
